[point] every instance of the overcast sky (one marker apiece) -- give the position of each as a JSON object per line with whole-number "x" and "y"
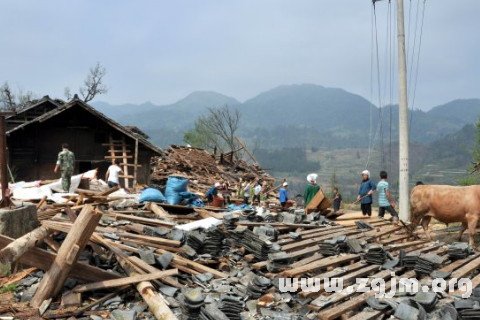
{"x": 160, "y": 51}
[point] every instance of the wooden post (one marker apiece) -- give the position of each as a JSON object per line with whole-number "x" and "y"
{"x": 135, "y": 164}
{"x": 125, "y": 161}
{"x": 17, "y": 248}
{"x": 53, "y": 280}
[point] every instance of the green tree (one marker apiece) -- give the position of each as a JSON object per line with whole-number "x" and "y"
{"x": 201, "y": 137}
{"x": 215, "y": 130}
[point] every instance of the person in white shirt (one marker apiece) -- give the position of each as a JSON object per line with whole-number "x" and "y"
{"x": 112, "y": 175}
{"x": 256, "y": 192}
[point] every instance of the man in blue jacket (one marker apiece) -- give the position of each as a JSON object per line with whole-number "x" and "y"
{"x": 283, "y": 195}
{"x": 367, "y": 187}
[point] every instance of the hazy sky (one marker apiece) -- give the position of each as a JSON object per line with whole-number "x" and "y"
{"x": 160, "y": 51}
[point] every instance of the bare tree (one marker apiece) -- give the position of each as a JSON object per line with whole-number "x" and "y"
{"x": 25, "y": 97}
{"x": 67, "y": 93}
{"x": 223, "y": 122}
{"x": 7, "y": 98}
{"x": 11, "y": 101}
{"x": 93, "y": 84}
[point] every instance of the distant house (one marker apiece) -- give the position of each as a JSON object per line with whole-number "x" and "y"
{"x": 35, "y": 135}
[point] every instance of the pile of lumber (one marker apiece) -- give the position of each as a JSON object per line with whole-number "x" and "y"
{"x": 202, "y": 168}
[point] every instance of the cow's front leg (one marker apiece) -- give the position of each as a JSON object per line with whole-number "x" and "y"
{"x": 425, "y": 222}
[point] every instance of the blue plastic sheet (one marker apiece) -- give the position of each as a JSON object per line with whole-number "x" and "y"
{"x": 242, "y": 207}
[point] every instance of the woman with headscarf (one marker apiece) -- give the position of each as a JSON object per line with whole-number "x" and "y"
{"x": 311, "y": 189}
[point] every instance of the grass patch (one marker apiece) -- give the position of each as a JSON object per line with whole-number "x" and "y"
{"x": 8, "y": 288}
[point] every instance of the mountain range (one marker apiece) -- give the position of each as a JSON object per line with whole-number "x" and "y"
{"x": 304, "y": 115}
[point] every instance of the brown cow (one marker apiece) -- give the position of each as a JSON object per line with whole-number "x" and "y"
{"x": 447, "y": 204}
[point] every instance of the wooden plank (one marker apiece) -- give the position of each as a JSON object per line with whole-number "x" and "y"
{"x": 53, "y": 280}
{"x": 118, "y": 151}
{"x": 309, "y": 242}
{"x": 321, "y": 264}
{"x": 335, "y": 273}
{"x": 367, "y": 315}
{"x": 347, "y": 279}
{"x": 124, "y": 281}
{"x": 357, "y": 301}
{"x": 147, "y": 221}
{"x": 466, "y": 269}
{"x": 151, "y": 269}
{"x": 177, "y": 261}
{"x": 118, "y": 157}
{"x": 126, "y": 175}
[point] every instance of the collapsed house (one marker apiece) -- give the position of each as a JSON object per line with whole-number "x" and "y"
{"x": 35, "y": 135}
{"x": 203, "y": 169}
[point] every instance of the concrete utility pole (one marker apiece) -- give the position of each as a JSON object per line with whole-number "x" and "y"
{"x": 404, "y": 205}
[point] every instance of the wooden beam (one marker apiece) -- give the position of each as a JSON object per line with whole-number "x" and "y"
{"x": 124, "y": 281}
{"x": 53, "y": 280}
{"x": 43, "y": 259}
{"x": 13, "y": 251}
{"x": 151, "y": 269}
{"x": 135, "y": 162}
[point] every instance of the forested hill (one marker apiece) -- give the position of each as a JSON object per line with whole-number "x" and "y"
{"x": 293, "y": 116}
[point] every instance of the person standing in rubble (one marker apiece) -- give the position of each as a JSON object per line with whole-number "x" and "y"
{"x": 365, "y": 192}
{"x": 385, "y": 200}
{"x": 66, "y": 165}
{"x": 226, "y": 192}
{"x": 257, "y": 190}
{"x": 283, "y": 195}
{"x": 246, "y": 193}
{"x": 337, "y": 200}
{"x": 311, "y": 189}
{"x": 112, "y": 175}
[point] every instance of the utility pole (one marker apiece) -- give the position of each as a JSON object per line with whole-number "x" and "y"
{"x": 404, "y": 205}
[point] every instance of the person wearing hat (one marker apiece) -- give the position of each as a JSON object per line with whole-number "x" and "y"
{"x": 367, "y": 187}
{"x": 283, "y": 194}
{"x": 212, "y": 192}
{"x": 311, "y": 189}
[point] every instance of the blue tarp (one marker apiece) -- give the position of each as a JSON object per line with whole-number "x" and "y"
{"x": 242, "y": 207}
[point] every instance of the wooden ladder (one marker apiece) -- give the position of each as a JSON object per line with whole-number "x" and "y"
{"x": 117, "y": 150}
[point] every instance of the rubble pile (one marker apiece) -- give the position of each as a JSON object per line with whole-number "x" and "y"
{"x": 101, "y": 254}
{"x": 203, "y": 169}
